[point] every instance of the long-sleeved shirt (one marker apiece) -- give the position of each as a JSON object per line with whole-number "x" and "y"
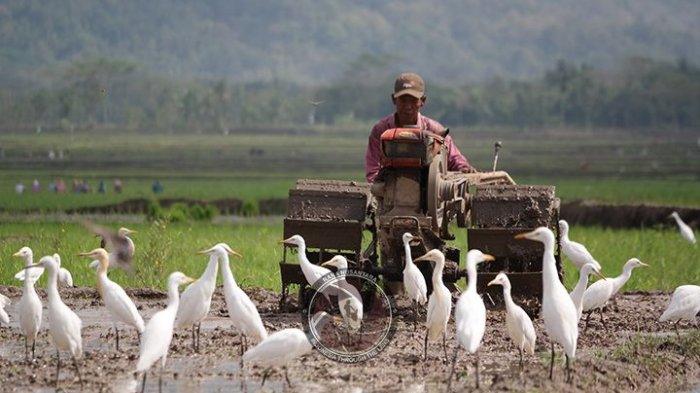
{"x": 455, "y": 160}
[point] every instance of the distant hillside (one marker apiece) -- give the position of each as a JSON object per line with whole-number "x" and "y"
{"x": 313, "y": 42}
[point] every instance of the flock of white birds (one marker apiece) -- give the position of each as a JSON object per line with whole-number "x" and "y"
{"x": 561, "y": 310}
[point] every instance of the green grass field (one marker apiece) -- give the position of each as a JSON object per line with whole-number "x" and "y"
{"x": 163, "y": 248}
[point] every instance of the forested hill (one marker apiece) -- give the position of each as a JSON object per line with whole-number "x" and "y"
{"x": 314, "y": 42}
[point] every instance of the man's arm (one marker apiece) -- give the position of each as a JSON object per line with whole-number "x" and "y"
{"x": 455, "y": 160}
{"x": 372, "y": 156}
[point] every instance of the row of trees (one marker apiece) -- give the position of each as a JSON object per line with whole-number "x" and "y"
{"x": 112, "y": 94}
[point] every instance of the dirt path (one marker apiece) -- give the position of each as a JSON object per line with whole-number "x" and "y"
{"x": 672, "y": 365}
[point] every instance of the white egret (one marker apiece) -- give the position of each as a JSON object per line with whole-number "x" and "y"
{"x": 439, "y": 303}
{"x": 577, "y": 293}
{"x": 312, "y": 272}
{"x": 27, "y": 254}
{"x": 281, "y": 347}
{"x": 470, "y": 314}
{"x": 350, "y": 300}
{"x": 577, "y": 253}
{"x": 64, "y": 276}
{"x": 195, "y": 301}
{"x": 29, "y": 306}
{"x": 4, "y": 302}
{"x": 119, "y": 245}
{"x": 684, "y": 304}
{"x": 64, "y": 324}
{"x": 117, "y": 302}
{"x": 156, "y": 338}
{"x": 518, "y": 323}
{"x": 242, "y": 311}
{"x": 558, "y": 310}
{"x": 598, "y": 294}
{"x": 413, "y": 281}
{"x": 686, "y": 231}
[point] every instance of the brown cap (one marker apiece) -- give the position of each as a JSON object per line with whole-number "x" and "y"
{"x": 409, "y": 83}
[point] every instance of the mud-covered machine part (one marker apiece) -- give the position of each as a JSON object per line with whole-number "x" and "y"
{"x": 415, "y": 193}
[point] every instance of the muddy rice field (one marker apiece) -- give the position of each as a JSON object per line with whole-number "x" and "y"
{"x": 633, "y": 354}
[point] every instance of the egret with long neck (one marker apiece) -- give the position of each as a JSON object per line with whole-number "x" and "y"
{"x": 30, "y": 308}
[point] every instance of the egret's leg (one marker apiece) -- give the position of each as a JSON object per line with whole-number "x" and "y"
{"x": 138, "y": 337}
{"x": 26, "y": 348}
{"x": 588, "y": 317}
{"x": 160, "y": 375}
{"x": 425, "y": 347}
{"x": 77, "y": 369}
{"x": 569, "y": 374}
{"x": 415, "y": 315}
{"x": 551, "y": 363}
{"x": 444, "y": 345}
{"x": 675, "y": 326}
{"x": 286, "y": 376}
{"x": 602, "y": 319}
{"x": 521, "y": 357}
{"x": 199, "y": 336}
{"x": 194, "y": 346}
{"x": 452, "y": 370}
{"x": 116, "y": 331}
{"x": 58, "y": 366}
{"x": 245, "y": 342}
{"x": 477, "y": 369}
{"x": 265, "y": 374}
{"x": 143, "y": 385}
{"x": 33, "y": 347}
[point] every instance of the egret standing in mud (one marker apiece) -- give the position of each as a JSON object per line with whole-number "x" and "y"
{"x": 64, "y": 276}
{"x": 4, "y": 302}
{"x": 413, "y": 281}
{"x": 577, "y": 253}
{"x": 518, "y": 323}
{"x": 578, "y": 291}
{"x": 684, "y": 304}
{"x": 470, "y": 315}
{"x": 64, "y": 325}
{"x": 196, "y": 301}
{"x": 349, "y": 300}
{"x": 158, "y": 333}
{"x": 242, "y": 311}
{"x": 558, "y": 310}
{"x": 312, "y": 273}
{"x": 117, "y": 302}
{"x": 280, "y": 348}
{"x": 598, "y": 294}
{"x": 686, "y": 231}
{"x": 30, "y": 308}
{"x": 439, "y": 303}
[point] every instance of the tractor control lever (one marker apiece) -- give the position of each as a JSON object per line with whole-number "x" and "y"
{"x": 497, "y": 147}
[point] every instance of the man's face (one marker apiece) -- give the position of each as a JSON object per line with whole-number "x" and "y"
{"x": 407, "y": 108}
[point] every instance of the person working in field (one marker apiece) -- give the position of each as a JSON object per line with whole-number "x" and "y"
{"x": 408, "y": 98}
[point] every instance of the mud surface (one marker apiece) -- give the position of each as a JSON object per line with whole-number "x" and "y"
{"x": 399, "y": 368}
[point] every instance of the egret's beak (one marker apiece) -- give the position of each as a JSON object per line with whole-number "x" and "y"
{"x": 597, "y": 273}
{"x": 493, "y": 282}
{"x": 521, "y": 236}
{"x": 86, "y": 254}
{"x": 329, "y": 263}
{"x": 419, "y": 259}
{"x": 17, "y": 254}
{"x": 188, "y": 280}
{"x": 643, "y": 264}
{"x": 234, "y": 253}
{"x": 489, "y": 258}
{"x": 33, "y": 265}
{"x": 287, "y": 241}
